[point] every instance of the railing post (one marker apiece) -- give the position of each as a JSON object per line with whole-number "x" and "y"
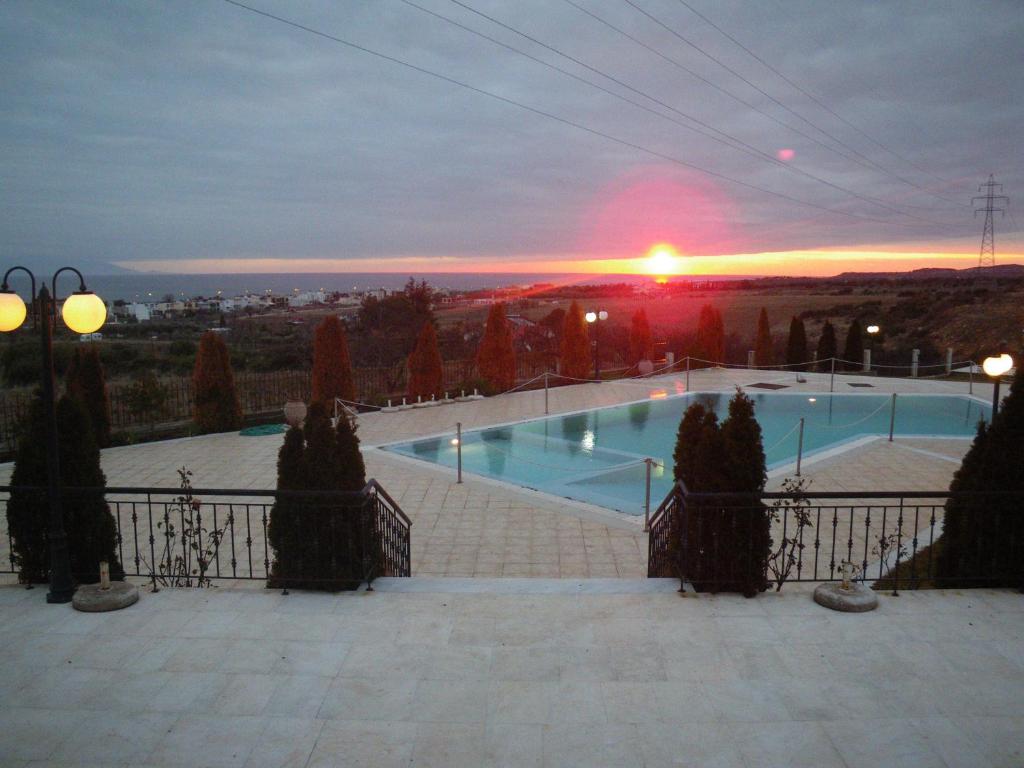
{"x": 949, "y": 360}
{"x": 800, "y": 447}
{"x": 458, "y": 447}
{"x": 915, "y": 356}
{"x": 750, "y": 358}
{"x": 647, "y": 496}
{"x": 867, "y": 361}
{"x": 832, "y": 380}
{"x": 546, "y": 411}
{"x": 892, "y": 417}
{"x": 970, "y": 379}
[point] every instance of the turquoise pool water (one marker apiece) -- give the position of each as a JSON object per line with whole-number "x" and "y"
{"x": 597, "y": 456}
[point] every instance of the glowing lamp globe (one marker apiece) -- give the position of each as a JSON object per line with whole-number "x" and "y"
{"x": 591, "y": 316}
{"x": 873, "y": 329}
{"x": 84, "y": 312}
{"x": 997, "y": 366}
{"x": 12, "y": 311}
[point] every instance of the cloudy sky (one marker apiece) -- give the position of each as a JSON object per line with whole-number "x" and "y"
{"x": 195, "y": 135}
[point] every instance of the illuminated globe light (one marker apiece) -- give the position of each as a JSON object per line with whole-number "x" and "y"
{"x": 873, "y": 329}
{"x": 12, "y": 311}
{"x": 84, "y": 312}
{"x": 997, "y": 366}
{"x": 662, "y": 259}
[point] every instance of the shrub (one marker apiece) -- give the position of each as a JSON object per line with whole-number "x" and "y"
{"x": 764, "y": 355}
{"x": 574, "y": 354}
{"x": 826, "y": 346}
{"x": 641, "y": 345}
{"x": 853, "y": 352}
{"x": 496, "y": 358}
{"x": 426, "y": 371}
{"x": 332, "y": 367}
{"x": 983, "y": 538}
{"x": 145, "y": 398}
{"x": 710, "y": 335}
{"x": 321, "y": 544}
{"x": 796, "y": 345}
{"x": 90, "y": 528}
{"x": 215, "y": 400}
{"x": 87, "y": 383}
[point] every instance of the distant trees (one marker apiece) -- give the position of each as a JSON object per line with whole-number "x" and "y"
{"x": 90, "y": 528}
{"x": 764, "y": 353}
{"x": 575, "y": 350}
{"x": 214, "y": 397}
{"x": 426, "y": 369}
{"x": 853, "y": 352}
{"x": 496, "y": 359}
{"x": 332, "y": 367}
{"x": 796, "y": 345}
{"x": 145, "y": 398}
{"x": 641, "y": 344}
{"x": 710, "y": 335}
{"x": 321, "y": 543}
{"x": 387, "y": 327}
{"x": 982, "y": 543}
{"x": 726, "y": 545}
{"x": 87, "y": 383}
{"x": 826, "y": 345}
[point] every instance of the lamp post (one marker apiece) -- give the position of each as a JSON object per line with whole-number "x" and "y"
{"x": 83, "y": 312}
{"x": 994, "y": 368}
{"x": 872, "y": 332}
{"x": 595, "y": 318}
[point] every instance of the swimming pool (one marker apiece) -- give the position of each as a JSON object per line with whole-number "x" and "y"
{"x": 597, "y": 456}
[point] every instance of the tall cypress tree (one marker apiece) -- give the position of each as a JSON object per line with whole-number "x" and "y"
{"x": 853, "y": 352}
{"x": 426, "y": 369}
{"x": 496, "y": 359}
{"x": 214, "y": 397}
{"x": 640, "y": 341}
{"x": 710, "y": 335}
{"x": 796, "y": 345}
{"x": 826, "y": 346}
{"x": 764, "y": 354}
{"x": 575, "y": 360}
{"x": 88, "y": 523}
{"x": 332, "y": 367}
{"x": 87, "y": 383}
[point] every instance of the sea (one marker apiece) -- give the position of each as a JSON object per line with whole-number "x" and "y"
{"x": 154, "y": 286}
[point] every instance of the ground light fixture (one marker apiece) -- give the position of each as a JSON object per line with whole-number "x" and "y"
{"x": 83, "y": 312}
{"x": 994, "y": 368}
{"x": 595, "y": 318}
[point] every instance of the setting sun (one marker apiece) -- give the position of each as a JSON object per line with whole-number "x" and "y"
{"x": 662, "y": 260}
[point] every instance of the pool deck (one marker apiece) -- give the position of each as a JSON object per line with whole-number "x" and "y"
{"x": 483, "y": 528}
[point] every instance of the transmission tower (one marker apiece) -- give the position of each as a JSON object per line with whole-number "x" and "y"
{"x": 993, "y": 203}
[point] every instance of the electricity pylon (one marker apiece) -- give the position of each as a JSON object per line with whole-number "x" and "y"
{"x": 993, "y": 203}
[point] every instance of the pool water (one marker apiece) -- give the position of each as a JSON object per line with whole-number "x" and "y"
{"x": 597, "y": 456}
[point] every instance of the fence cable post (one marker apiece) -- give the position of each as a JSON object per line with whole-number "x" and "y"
{"x": 458, "y": 447}
{"x": 647, "y": 495}
{"x": 892, "y": 417}
{"x": 832, "y": 380}
{"x": 546, "y": 411}
{"x": 800, "y": 447}
{"x": 687, "y": 373}
{"x": 970, "y": 380}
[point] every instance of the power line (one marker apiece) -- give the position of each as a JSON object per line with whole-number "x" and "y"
{"x": 767, "y": 95}
{"x": 811, "y": 96}
{"x": 743, "y": 146}
{"x": 735, "y": 97}
{"x": 551, "y": 116}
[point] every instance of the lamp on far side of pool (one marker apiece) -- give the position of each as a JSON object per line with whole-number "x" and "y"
{"x": 595, "y": 319}
{"x": 994, "y": 368}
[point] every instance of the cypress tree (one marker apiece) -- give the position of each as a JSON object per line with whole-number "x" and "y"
{"x": 640, "y": 341}
{"x": 426, "y": 369}
{"x": 826, "y": 346}
{"x": 853, "y": 352}
{"x": 796, "y": 345}
{"x": 285, "y": 531}
{"x": 710, "y": 335}
{"x": 575, "y": 349}
{"x": 332, "y": 367}
{"x": 214, "y": 397}
{"x": 88, "y": 523}
{"x": 87, "y": 383}
{"x": 764, "y": 354}
{"x": 496, "y": 359}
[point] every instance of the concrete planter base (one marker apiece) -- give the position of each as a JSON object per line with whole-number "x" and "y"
{"x": 857, "y": 599}
{"x": 92, "y": 599}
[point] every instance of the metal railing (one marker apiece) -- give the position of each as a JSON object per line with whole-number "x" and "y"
{"x": 179, "y": 537}
{"x": 880, "y": 533}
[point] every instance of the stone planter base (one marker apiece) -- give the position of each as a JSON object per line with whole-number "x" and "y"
{"x": 92, "y": 599}
{"x": 857, "y": 599}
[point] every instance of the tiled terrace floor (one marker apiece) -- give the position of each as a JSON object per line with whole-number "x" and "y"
{"x": 485, "y": 529}
{"x": 527, "y": 673}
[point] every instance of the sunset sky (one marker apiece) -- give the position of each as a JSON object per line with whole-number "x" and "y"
{"x": 752, "y": 137}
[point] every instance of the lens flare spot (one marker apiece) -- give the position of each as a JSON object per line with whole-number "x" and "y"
{"x": 785, "y": 155}
{"x": 662, "y": 260}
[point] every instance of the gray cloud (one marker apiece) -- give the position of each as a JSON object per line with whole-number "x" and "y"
{"x": 197, "y": 130}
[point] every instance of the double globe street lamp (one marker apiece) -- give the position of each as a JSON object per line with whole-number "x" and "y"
{"x": 595, "y": 319}
{"x": 83, "y": 312}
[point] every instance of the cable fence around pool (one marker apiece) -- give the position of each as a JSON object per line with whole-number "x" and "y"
{"x": 813, "y": 534}
{"x": 176, "y": 538}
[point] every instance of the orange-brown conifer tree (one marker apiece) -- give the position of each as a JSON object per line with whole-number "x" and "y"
{"x": 641, "y": 345}
{"x": 575, "y": 352}
{"x": 332, "y": 367}
{"x": 426, "y": 372}
{"x": 214, "y": 397}
{"x": 496, "y": 359}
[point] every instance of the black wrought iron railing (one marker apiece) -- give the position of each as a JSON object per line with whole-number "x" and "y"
{"x": 886, "y": 536}
{"x": 184, "y": 537}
